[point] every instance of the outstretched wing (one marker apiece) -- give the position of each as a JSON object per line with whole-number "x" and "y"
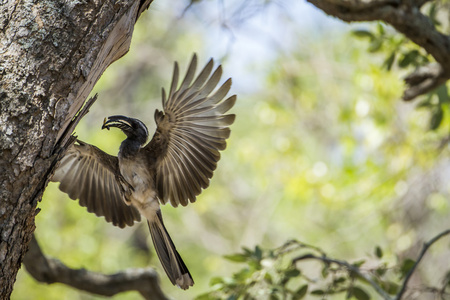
{"x": 190, "y": 133}
{"x": 90, "y": 175}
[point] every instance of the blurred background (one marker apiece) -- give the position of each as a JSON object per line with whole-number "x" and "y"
{"x": 323, "y": 150}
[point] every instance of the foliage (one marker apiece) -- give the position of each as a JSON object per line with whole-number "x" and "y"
{"x": 284, "y": 273}
{"x": 400, "y": 52}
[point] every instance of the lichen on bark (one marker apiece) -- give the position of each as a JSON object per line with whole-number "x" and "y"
{"x": 51, "y": 55}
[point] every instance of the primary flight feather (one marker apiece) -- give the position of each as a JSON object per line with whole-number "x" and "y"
{"x": 173, "y": 167}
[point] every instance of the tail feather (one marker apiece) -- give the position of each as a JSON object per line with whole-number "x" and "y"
{"x": 170, "y": 259}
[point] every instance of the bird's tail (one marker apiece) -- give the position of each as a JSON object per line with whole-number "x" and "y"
{"x": 171, "y": 261}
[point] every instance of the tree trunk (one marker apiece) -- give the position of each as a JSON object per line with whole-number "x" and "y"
{"x": 51, "y": 55}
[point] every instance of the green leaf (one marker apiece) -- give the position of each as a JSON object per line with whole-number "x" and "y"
{"x": 339, "y": 280}
{"x": 206, "y": 296}
{"x": 432, "y": 13}
{"x": 236, "y": 257}
{"x": 406, "y": 266}
{"x": 442, "y": 94}
{"x": 381, "y": 271}
{"x": 390, "y": 287}
{"x": 291, "y": 273}
{"x": 243, "y": 275}
{"x": 425, "y": 103}
{"x": 325, "y": 271}
{"x": 409, "y": 58}
{"x": 378, "y": 252}
{"x": 362, "y": 33}
{"x": 387, "y": 64}
{"x": 258, "y": 252}
{"x": 274, "y": 297}
{"x": 375, "y": 45}
{"x": 300, "y": 293}
{"x": 360, "y": 294}
{"x": 437, "y": 114}
{"x": 268, "y": 278}
{"x": 380, "y": 28}
{"x": 288, "y": 274}
{"x": 318, "y": 293}
{"x": 359, "y": 263}
{"x": 216, "y": 280}
{"x": 247, "y": 251}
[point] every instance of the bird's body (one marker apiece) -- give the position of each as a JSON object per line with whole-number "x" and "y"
{"x": 143, "y": 194}
{"x": 173, "y": 167}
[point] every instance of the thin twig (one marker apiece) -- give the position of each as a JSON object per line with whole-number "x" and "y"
{"x": 350, "y": 267}
{"x": 65, "y": 135}
{"x": 406, "y": 18}
{"x": 425, "y": 248}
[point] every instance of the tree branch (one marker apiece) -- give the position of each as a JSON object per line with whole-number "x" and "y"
{"x": 423, "y": 80}
{"x": 73, "y": 123}
{"x": 425, "y": 248}
{"x": 348, "y": 266}
{"x": 367, "y": 278}
{"x": 405, "y": 17}
{"x": 50, "y": 270}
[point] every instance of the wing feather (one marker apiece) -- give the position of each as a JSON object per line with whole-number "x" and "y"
{"x": 89, "y": 174}
{"x": 190, "y": 133}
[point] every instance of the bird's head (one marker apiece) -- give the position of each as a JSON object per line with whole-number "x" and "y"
{"x": 133, "y": 128}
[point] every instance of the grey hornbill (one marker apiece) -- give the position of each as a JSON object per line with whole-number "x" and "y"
{"x": 173, "y": 167}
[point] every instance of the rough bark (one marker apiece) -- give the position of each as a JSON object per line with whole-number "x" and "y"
{"x": 405, "y": 16}
{"x": 51, "y": 55}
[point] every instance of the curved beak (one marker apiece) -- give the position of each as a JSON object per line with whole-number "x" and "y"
{"x": 116, "y": 121}
{"x": 105, "y": 125}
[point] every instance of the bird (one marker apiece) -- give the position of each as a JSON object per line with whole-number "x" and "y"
{"x": 174, "y": 167}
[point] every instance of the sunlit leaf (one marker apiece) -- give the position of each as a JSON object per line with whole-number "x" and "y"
{"x": 300, "y": 293}
{"x": 387, "y": 64}
{"x": 243, "y": 275}
{"x": 325, "y": 271}
{"x": 375, "y": 45}
{"x": 268, "y": 278}
{"x": 380, "y": 28}
{"x": 236, "y": 257}
{"x": 206, "y": 296}
{"x": 216, "y": 280}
